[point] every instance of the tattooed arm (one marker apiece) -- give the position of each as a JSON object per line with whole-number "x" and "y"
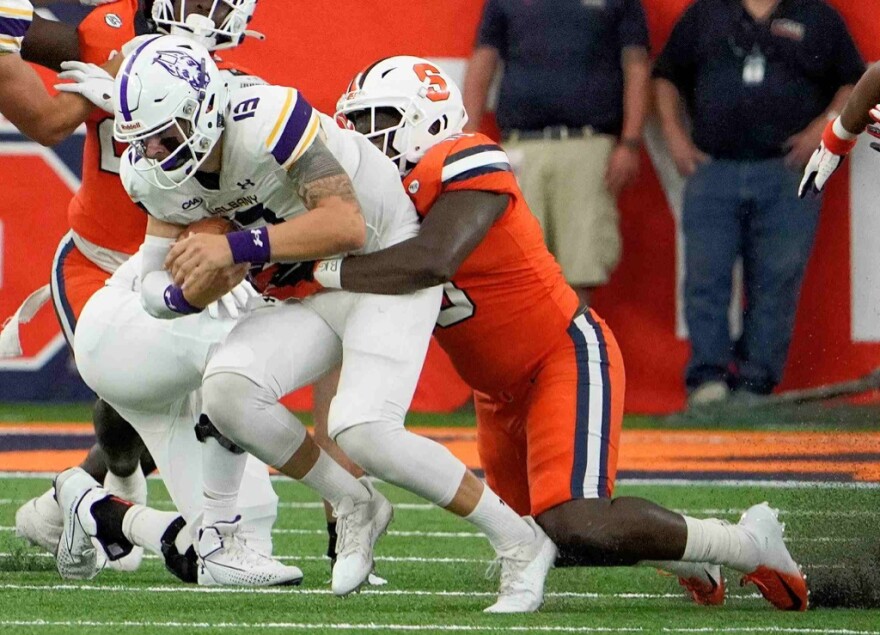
{"x": 334, "y": 223}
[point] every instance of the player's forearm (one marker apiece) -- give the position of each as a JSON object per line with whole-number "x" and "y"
{"x": 477, "y": 80}
{"x": 864, "y": 96}
{"x": 404, "y": 268}
{"x": 334, "y": 227}
{"x": 26, "y": 103}
{"x": 667, "y": 100}
{"x": 636, "y": 92}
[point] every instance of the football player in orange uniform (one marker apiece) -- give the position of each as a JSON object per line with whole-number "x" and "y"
{"x": 106, "y": 226}
{"x": 547, "y": 374}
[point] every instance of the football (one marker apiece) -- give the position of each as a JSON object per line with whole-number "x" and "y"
{"x": 210, "y": 225}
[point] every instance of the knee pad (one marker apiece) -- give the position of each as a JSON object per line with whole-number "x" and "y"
{"x": 249, "y": 415}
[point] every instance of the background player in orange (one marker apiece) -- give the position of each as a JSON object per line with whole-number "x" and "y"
{"x": 547, "y": 374}
{"x": 106, "y": 227}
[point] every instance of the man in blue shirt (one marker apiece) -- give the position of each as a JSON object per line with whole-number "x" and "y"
{"x": 571, "y": 108}
{"x": 760, "y": 80}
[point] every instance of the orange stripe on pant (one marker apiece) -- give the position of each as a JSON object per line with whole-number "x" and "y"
{"x": 74, "y": 280}
{"x": 554, "y": 437}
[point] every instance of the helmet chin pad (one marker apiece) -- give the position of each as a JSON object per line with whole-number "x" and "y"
{"x": 199, "y": 28}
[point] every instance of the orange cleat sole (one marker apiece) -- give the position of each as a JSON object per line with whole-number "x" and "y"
{"x": 703, "y": 593}
{"x": 785, "y": 591}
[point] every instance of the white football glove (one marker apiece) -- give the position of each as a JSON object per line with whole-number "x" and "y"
{"x": 819, "y": 169}
{"x": 90, "y": 81}
{"x": 836, "y": 143}
{"x": 234, "y": 303}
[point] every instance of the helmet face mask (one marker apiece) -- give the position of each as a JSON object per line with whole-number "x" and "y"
{"x": 215, "y": 24}
{"x": 170, "y": 103}
{"x": 428, "y": 102}
{"x": 381, "y": 125}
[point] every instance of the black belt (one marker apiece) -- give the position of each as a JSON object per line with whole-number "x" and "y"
{"x": 554, "y": 133}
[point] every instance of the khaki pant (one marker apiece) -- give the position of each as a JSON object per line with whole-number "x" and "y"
{"x": 564, "y": 184}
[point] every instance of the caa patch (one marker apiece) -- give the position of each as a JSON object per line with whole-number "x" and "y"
{"x": 414, "y": 187}
{"x": 113, "y": 20}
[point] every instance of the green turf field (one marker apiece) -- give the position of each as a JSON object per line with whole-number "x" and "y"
{"x": 435, "y": 568}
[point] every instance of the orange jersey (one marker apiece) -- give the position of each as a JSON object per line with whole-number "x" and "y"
{"x": 101, "y": 211}
{"x": 508, "y": 304}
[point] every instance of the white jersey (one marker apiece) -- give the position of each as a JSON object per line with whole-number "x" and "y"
{"x": 268, "y": 128}
{"x": 15, "y": 18}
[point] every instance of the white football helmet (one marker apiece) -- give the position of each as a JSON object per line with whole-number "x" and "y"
{"x": 428, "y": 100}
{"x": 224, "y": 26}
{"x": 169, "y": 88}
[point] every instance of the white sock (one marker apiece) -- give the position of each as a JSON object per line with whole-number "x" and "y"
{"x": 222, "y": 472}
{"x": 710, "y": 540}
{"x": 333, "y": 483}
{"x": 132, "y": 488}
{"x": 48, "y": 508}
{"x": 145, "y": 526}
{"x": 503, "y": 526}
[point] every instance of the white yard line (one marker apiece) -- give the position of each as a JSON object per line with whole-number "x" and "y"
{"x": 93, "y": 588}
{"x": 781, "y": 484}
{"x": 470, "y": 534}
{"x": 427, "y": 507}
{"x": 433, "y": 627}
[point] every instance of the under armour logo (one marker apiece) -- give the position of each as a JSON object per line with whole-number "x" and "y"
{"x": 257, "y": 239}
{"x": 246, "y": 184}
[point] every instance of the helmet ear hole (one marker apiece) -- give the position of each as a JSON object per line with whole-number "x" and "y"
{"x": 435, "y": 127}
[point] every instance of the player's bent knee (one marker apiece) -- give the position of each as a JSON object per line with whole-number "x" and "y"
{"x": 120, "y": 442}
{"x": 225, "y": 399}
{"x": 249, "y": 415}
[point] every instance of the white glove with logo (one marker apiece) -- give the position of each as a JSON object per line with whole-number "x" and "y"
{"x": 836, "y": 143}
{"x": 89, "y": 81}
{"x": 234, "y": 303}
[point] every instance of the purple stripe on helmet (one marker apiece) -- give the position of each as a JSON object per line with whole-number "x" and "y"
{"x": 14, "y": 27}
{"x": 293, "y": 131}
{"x": 123, "y": 92}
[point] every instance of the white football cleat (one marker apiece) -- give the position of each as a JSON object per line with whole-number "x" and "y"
{"x": 39, "y": 521}
{"x": 133, "y": 489}
{"x": 778, "y": 577}
{"x": 523, "y": 572}
{"x": 359, "y": 526}
{"x": 76, "y": 557}
{"x": 225, "y": 559}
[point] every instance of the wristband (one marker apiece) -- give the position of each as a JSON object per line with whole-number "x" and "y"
{"x": 838, "y": 139}
{"x": 250, "y": 245}
{"x": 175, "y": 301}
{"x": 328, "y": 273}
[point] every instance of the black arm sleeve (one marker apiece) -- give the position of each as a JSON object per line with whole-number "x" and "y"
{"x": 48, "y": 43}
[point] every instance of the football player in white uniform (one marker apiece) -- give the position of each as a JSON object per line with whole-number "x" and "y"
{"x": 302, "y": 188}
{"x": 149, "y": 370}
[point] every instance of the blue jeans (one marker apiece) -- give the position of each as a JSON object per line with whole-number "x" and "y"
{"x": 748, "y": 209}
